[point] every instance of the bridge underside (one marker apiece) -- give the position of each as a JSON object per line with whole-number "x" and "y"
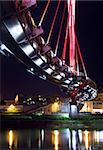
{"x": 25, "y": 41}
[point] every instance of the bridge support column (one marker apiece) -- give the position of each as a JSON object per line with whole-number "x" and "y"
{"x": 73, "y": 110}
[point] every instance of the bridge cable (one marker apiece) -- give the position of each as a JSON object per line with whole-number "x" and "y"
{"x": 81, "y": 58}
{"x": 77, "y": 63}
{"x": 51, "y": 29}
{"x": 66, "y": 36}
{"x": 72, "y": 37}
{"x": 44, "y": 13}
{"x": 61, "y": 25}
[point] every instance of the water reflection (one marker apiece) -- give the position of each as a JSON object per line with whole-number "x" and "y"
{"x": 12, "y": 139}
{"x": 86, "y": 139}
{"x": 11, "y": 136}
{"x": 61, "y": 139}
{"x": 55, "y": 139}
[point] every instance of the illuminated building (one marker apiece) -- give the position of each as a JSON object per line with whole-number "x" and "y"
{"x": 95, "y": 106}
{"x": 13, "y": 109}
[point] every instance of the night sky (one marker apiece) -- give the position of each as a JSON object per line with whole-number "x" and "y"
{"x": 89, "y": 28}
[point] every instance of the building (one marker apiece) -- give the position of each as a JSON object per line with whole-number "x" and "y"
{"x": 95, "y": 106}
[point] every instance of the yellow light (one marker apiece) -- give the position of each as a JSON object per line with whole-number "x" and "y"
{"x": 55, "y": 107}
{"x": 11, "y": 108}
{"x": 11, "y": 137}
{"x": 55, "y": 139}
{"x": 16, "y": 99}
{"x": 86, "y": 139}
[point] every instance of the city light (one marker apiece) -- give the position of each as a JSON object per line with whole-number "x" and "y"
{"x": 55, "y": 107}
{"x": 42, "y": 134}
{"x": 55, "y": 139}
{"x": 86, "y": 139}
{"x": 11, "y": 138}
{"x": 12, "y": 108}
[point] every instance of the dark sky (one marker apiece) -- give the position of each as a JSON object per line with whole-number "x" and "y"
{"x": 89, "y": 28}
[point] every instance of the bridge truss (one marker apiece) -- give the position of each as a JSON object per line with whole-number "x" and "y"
{"x": 34, "y": 50}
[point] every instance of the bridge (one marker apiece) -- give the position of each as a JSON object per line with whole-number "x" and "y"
{"x": 25, "y": 39}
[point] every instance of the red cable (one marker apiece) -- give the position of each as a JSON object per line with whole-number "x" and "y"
{"x": 51, "y": 29}
{"x": 60, "y": 29}
{"x": 65, "y": 43}
{"x": 72, "y": 40}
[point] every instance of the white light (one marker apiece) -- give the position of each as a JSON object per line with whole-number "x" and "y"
{"x": 49, "y": 70}
{"x": 28, "y": 49}
{"x": 67, "y": 81}
{"x": 58, "y": 77}
{"x": 32, "y": 69}
{"x": 80, "y": 135}
{"x": 44, "y": 58}
{"x": 69, "y": 69}
{"x": 76, "y": 85}
{"x": 101, "y": 136}
{"x": 43, "y": 77}
{"x": 42, "y": 135}
{"x": 43, "y": 42}
{"x": 71, "y": 79}
{"x": 74, "y": 109}
{"x": 3, "y": 47}
{"x": 74, "y": 139}
{"x": 69, "y": 137}
{"x": 16, "y": 31}
{"x": 52, "y": 54}
{"x": 53, "y": 67}
{"x": 60, "y": 63}
{"x": 38, "y": 62}
{"x": 62, "y": 74}
{"x": 35, "y": 45}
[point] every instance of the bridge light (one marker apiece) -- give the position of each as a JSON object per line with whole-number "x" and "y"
{"x": 38, "y": 62}
{"x": 67, "y": 81}
{"x": 44, "y": 59}
{"x": 27, "y": 49}
{"x": 62, "y": 74}
{"x": 32, "y": 69}
{"x": 3, "y": 47}
{"x": 58, "y": 77}
{"x": 49, "y": 70}
{"x": 71, "y": 79}
{"x": 76, "y": 85}
{"x": 35, "y": 45}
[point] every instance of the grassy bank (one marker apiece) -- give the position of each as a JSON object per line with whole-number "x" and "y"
{"x": 86, "y": 122}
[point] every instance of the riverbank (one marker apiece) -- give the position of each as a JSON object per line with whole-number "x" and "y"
{"x": 22, "y": 121}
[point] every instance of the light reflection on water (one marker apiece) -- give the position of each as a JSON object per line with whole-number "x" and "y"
{"x": 47, "y": 139}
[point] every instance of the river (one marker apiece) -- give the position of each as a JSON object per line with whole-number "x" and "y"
{"x": 51, "y": 139}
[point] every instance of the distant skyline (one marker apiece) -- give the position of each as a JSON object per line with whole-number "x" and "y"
{"x": 89, "y": 26}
